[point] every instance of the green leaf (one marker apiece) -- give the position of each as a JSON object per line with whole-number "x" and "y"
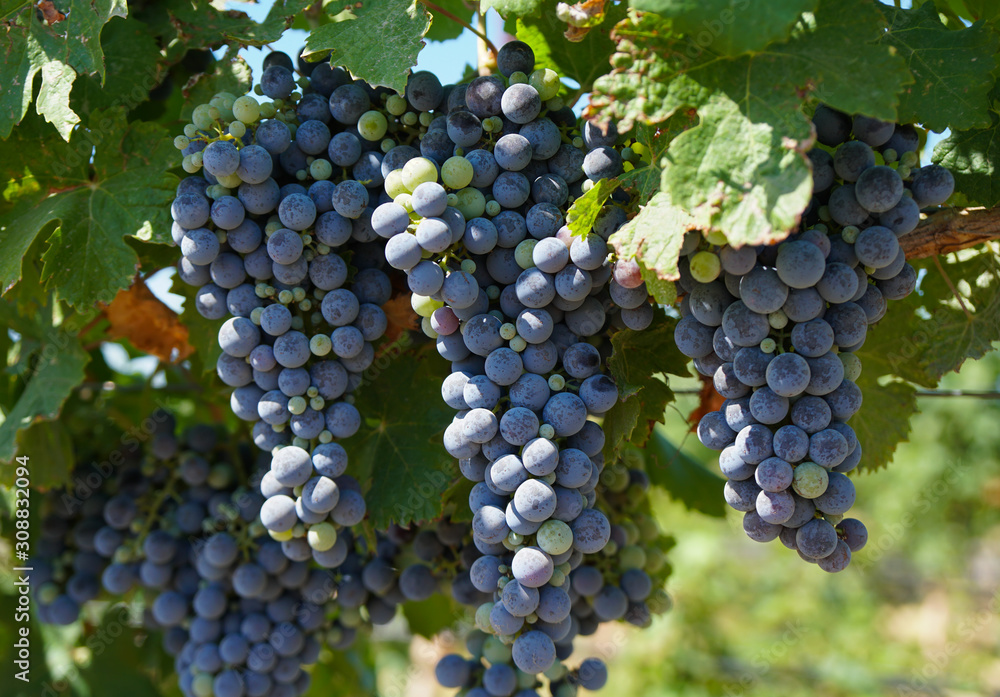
{"x": 508, "y": 8}
{"x": 125, "y": 190}
{"x": 60, "y": 51}
{"x": 121, "y": 664}
{"x": 58, "y": 369}
{"x": 279, "y": 18}
{"x": 644, "y": 180}
{"x": 883, "y": 422}
{"x": 432, "y": 616}
{"x": 639, "y": 364}
{"x": 444, "y": 28}
{"x": 48, "y": 446}
{"x": 952, "y": 69}
{"x": 654, "y": 239}
{"x": 585, "y": 209}
{"x": 730, "y": 27}
{"x": 399, "y": 25}
{"x": 131, "y": 59}
{"x": 583, "y": 61}
{"x": 684, "y": 478}
{"x": 972, "y": 156}
{"x": 929, "y": 333}
{"x": 399, "y": 449}
{"x": 746, "y": 178}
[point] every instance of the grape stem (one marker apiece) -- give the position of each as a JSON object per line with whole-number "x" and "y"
{"x": 951, "y": 230}
{"x": 445, "y": 13}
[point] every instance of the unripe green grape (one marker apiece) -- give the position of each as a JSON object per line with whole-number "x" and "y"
{"x": 322, "y": 536}
{"x": 518, "y": 344}
{"x": 631, "y": 531}
{"x": 554, "y": 537}
{"x": 189, "y": 166}
{"x": 299, "y": 293}
{"x": 181, "y": 142}
{"x": 810, "y": 480}
{"x": 267, "y": 111}
{"x": 547, "y": 431}
{"x": 492, "y": 292}
{"x": 488, "y": 125}
{"x": 423, "y": 305}
{"x": 297, "y": 404}
{"x": 518, "y": 78}
{"x": 321, "y": 169}
{"x": 492, "y": 208}
{"x": 386, "y": 145}
{"x": 272, "y": 226}
{"x": 556, "y": 672}
{"x": 246, "y": 109}
{"x": 202, "y": 117}
{"x": 425, "y": 118}
{"x": 778, "y": 319}
{"x": 515, "y": 539}
{"x": 556, "y": 382}
{"x": 523, "y": 253}
{"x": 715, "y": 237}
{"x": 255, "y": 315}
{"x": 278, "y": 428}
{"x": 705, "y": 267}
{"x": 456, "y": 172}
{"x": 285, "y": 297}
{"x": 655, "y": 560}
{"x": 395, "y": 105}
{"x": 427, "y": 329}
{"x": 201, "y": 686}
{"x": 280, "y": 536}
{"x": 852, "y": 366}
{"x": 496, "y": 313}
{"x": 372, "y": 125}
{"x": 394, "y": 184}
{"x": 351, "y": 617}
{"x": 325, "y": 436}
{"x": 231, "y": 181}
{"x": 549, "y": 478}
{"x": 220, "y": 476}
{"x": 237, "y": 129}
{"x": 628, "y": 154}
{"x": 320, "y": 345}
{"x": 483, "y": 618}
{"x": 494, "y": 650}
{"x": 909, "y": 159}
{"x": 410, "y": 118}
{"x": 555, "y": 104}
{"x": 632, "y": 557}
{"x": 587, "y": 185}
{"x": 468, "y": 266}
{"x": 471, "y": 203}
{"x": 577, "y": 142}
{"x": 507, "y": 331}
{"x": 190, "y": 130}
{"x": 850, "y": 234}
{"x": 418, "y": 171}
{"x": 405, "y": 201}
{"x": 297, "y": 323}
{"x": 300, "y": 443}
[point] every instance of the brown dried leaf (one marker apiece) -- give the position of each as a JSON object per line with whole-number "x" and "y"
{"x": 50, "y": 12}
{"x": 708, "y": 401}
{"x": 139, "y": 316}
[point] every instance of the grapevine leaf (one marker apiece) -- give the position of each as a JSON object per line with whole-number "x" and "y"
{"x": 444, "y": 28}
{"x": 432, "y": 616}
{"x": 149, "y": 325}
{"x": 195, "y": 25}
{"x": 399, "y": 449}
{"x": 644, "y": 180}
{"x": 508, "y": 8}
{"x": 883, "y": 421}
{"x": 58, "y": 369}
{"x": 952, "y": 69}
{"x": 972, "y": 156}
{"x": 639, "y": 364}
{"x": 682, "y": 477}
{"x": 928, "y": 333}
{"x": 123, "y": 666}
{"x": 400, "y": 26}
{"x": 585, "y": 209}
{"x": 748, "y": 179}
{"x": 49, "y": 447}
{"x": 131, "y": 58}
{"x": 279, "y": 18}
{"x": 654, "y": 239}
{"x": 582, "y": 61}
{"x": 125, "y": 190}
{"x": 70, "y": 45}
{"x": 730, "y": 27}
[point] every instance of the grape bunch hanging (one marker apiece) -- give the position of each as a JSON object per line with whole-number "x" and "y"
{"x": 775, "y": 328}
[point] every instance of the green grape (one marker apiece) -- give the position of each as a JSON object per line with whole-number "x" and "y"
{"x": 427, "y": 329}
{"x": 778, "y": 319}
{"x": 317, "y": 403}
{"x": 493, "y": 208}
{"x": 518, "y": 344}
{"x": 395, "y": 105}
{"x": 418, "y": 171}
{"x": 507, "y": 331}
{"x": 267, "y": 110}
{"x": 325, "y": 436}
{"x": 272, "y": 227}
{"x": 518, "y": 78}
{"x": 715, "y": 237}
{"x": 546, "y": 82}
{"x": 558, "y": 577}
{"x": 577, "y": 142}
{"x": 300, "y": 443}
{"x": 386, "y": 145}
{"x": 321, "y": 169}
{"x": 188, "y": 165}
{"x": 810, "y": 480}
{"x": 556, "y": 382}
{"x": 394, "y": 184}
{"x": 456, "y": 173}
{"x": 498, "y": 314}
{"x": 555, "y": 104}
{"x": 587, "y": 185}
{"x": 423, "y": 305}
{"x": 425, "y": 118}
{"x": 523, "y": 252}
{"x": 313, "y": 391}
{"x": 301, "y": 175}
{"x": 404, "y": 200}
{"x": 554, "y": 537}
{"x": 705, "y": 267}
{"x": 181, "y": 142}
{"x": 410, "y": 118}
{"x": 237, "y": 129}
{"x": 471, "y": 203}
{"x": 197, "y": 157}
{"x": 320, "y": 345}
{"x": 372, "y": 125}
{"x": 909, "y": 159}
{"x": 632, "y": 557}
{"x": 190, "y": 130}
{"x": 655, "y": 560}
{"x": 232, "y": 181}
{"x": 322, "y": 536}
{"x": 488, "y": 125}
{"x": 297, "y": 404}
{"x": 246, "y": 109}
{"x": 483, "y": 618}
{"x": 285, "y": 297}
{"x": 201, "y": 686}
{"x": 852, "y": 366}
{"x": 280, "y": 536}
{"x": 297, "y": 323}
{"x": 299, "y": 294}
{"x": 260, "y": 290}
{"x": 492, "y": 292}
{"x": 904, "y": 172}
{"x": 202, "y": 117}
{"x": 557, "y": 671}
{"x": 468, "y": 266}
{"x": 628, "y": 154}
{"x": 256, "y": 313}
{"x": 768, "y": 345}
{"x": 890, "y": 155}
{"x": 850, "y": 234}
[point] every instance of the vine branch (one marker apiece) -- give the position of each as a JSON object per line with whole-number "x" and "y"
{"x": 455, "y": 18}
{"x": 950, "y": 230}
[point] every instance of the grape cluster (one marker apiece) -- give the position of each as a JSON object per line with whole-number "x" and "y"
{"x": 277, "y": 233}
{"x": 776, "y": 328}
